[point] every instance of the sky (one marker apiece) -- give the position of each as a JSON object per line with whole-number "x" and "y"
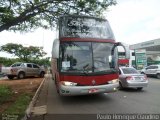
{"x": 135, "y": 21}
{"x": 132, "y": 21}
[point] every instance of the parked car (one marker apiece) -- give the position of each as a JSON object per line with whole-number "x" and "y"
{"x": 22, "y": 70}
{"x": 152, "y": 70}
{"x": 143, "y": 70}
{"x": 129, "y": 77}
{"x": 2, "y": 75}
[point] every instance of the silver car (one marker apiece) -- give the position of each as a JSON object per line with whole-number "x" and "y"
{"x": 22, "y": 70}
{"x": 129, "y": 77}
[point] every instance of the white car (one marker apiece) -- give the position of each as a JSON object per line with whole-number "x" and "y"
{"x": 152, "y": 70}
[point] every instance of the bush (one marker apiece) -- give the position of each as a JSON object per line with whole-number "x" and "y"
{"x": 5, "y": 93}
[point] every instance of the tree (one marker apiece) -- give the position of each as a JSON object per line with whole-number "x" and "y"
{"x": 26, "y": 15}
{"x": 24, "y": 53}
{"x": 9, "y": 61}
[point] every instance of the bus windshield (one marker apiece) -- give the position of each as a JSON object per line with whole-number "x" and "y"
{"x": 87, "y": 57}
{"x": 85, "y": 27}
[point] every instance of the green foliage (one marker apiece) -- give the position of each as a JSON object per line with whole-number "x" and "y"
{"x": 24, "y": 53}
{"x": 20, "y": 105}
{"x": 5, "y": 93}
{"x": 10, "y": 61}
{"x": 43, "y": 61}
{"x": 27, "y": 15}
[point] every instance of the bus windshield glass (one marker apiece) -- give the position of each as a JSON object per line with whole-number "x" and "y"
{"x": 85, "y": 27}
{"x": 87, "y": 57}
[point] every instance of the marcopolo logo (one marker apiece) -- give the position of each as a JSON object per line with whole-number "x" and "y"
{"x": 93, "y": 82}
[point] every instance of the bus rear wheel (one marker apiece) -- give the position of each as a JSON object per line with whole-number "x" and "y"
{"x": 56, "y": 84}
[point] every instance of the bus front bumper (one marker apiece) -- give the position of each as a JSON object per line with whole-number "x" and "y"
{"x": 84, "y": 90}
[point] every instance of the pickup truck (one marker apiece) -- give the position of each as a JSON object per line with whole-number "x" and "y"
{"x": 22, "y": 70}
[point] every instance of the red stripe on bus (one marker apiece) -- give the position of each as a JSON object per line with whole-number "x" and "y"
{"x": 87, "y": 39}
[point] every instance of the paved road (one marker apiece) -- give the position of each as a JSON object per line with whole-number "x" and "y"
{"x": 125, "y": 101}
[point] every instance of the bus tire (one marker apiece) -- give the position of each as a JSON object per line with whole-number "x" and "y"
{"x": 55, "y": 80}
{"x": 56, "y": 84}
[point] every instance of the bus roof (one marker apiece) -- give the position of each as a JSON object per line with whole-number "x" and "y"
{"x": 83, "y": 16}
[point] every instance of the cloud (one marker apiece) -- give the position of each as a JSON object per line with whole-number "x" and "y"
{"x": 41, "y": 38}
{"x": 155, "y": 23}
{"x": 135, "y": 21}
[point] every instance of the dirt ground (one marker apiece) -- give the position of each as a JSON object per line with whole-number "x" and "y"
{"x": 20, "y": 86}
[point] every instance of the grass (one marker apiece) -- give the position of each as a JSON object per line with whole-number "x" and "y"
{"x": 17, "y": 109}
{"x": 13, "y": 104}
{"x": 20, "y": 105}
{"x": 5, "y": 94}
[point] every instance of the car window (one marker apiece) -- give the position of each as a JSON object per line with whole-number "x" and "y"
{"x": 35, "y": 66}
{"x": 16, "y": 65}
{"x": 19, "y": 64}
{"x": 152, "y": 67}
{"x": 29, "y": 65}
{"x": 155, "y": 67}
{"x": 149, "y": 67}
{"x": 22, "y": 65}
{"x": 129, "y": 71}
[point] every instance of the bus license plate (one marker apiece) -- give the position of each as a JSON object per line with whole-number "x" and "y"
{"x": 93, "y": 90}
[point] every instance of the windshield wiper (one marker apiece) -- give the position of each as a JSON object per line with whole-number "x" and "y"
{"x": 85, "y": 69}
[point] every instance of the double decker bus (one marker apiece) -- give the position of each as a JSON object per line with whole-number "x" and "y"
{"x": 85, "y": 57}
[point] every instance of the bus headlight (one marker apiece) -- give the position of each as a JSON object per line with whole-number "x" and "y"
{"x": 66, "y": 83}
{"x": 113, "y": 81}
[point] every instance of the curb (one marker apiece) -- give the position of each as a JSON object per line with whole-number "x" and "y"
{"x": 30, "y": 106}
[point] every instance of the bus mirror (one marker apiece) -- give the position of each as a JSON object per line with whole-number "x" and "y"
{"x": 55, "y": 49}
{"x": 126, "y": 48}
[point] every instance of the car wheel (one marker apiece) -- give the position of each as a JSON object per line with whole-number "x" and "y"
{"x": 139, "y": 88}
{"x": 10, "y": 77}
{"x": 120, "y": 86}
{"x": 42, "y": 74}
{"x": 21, "y": 75}
{"x": 158, "y": 75}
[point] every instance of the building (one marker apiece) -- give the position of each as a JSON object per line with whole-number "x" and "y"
{"x": 145, "y": 53}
